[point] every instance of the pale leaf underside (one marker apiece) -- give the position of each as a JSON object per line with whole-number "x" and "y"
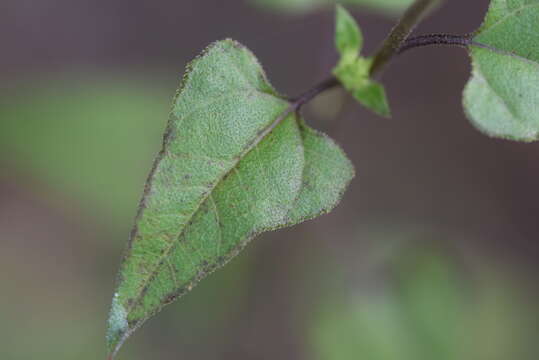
{"x": 502, "y": 97}
{"x": 221, "y": 179}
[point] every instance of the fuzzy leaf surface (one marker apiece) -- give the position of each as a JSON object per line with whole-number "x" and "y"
{"x": 225, "y": 174}
{"x": 502, "y": 97}
{"x": 373, "y": 96}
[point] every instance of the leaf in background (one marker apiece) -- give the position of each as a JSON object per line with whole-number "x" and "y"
{"x": 67, "y": 131}
{"x": 390, "y": 7}
{"x": 393, "y": 320}
{"x": 502, "y": 96}
{"x": 424, "y": 305}
{"x": 225, "y": 174}
{"x": 352, "y": 70}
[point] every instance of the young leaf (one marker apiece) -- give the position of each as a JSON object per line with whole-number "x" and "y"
{"x": 348, "y": 37}
{"x": 373, "y": 96}
{"x": 502, "y": 96}
{"x": 231, "y": 168}
{"x": 353, "y": 70}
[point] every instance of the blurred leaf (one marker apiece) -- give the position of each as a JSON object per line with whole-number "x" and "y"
{"x": 80, "y": 136}
{"x": 352, "y": 70}
{"x": 502, "y": 96}
{"x": 231, "y": 168}
{"x": 302, "y": 6}
{"x": 428, "y": 308}
{"x": 430, "y": 294}
{"x": 371, "y": 331}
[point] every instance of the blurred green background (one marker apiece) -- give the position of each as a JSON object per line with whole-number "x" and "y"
{"x": 431, "y": 255}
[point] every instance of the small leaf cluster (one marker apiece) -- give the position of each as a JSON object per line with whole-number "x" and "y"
{"x": 502, "y": 97}
{"x": 353, "y": 70}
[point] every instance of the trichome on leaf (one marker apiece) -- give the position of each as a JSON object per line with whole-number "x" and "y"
{"x": 231, "y": 167}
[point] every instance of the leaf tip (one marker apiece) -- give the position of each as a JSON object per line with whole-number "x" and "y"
{"x": 118, "y": 326}
{"x": 348, "y": 36}
{"x": 386, "y": 115}
{"x": 373, "y": 97}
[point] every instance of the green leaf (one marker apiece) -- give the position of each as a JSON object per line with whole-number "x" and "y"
{"x": 420, "y": 316}
{"x": 326, "y": 175}
{"x": 373, "y": 96}
{"x": 348, "y": 37}
{"x": 423, "y": 306}
{"x": 229, "y": 170}
{"x": 502, "y": 97}
{"x": 352, "y": 70}
{"x": 390, "y": 7}
{"x": 67, "y": 132}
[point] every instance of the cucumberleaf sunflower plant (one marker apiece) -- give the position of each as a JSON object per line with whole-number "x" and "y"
{"x": 238, "y": 159}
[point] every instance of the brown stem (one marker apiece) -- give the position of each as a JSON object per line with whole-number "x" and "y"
{"x": 310, "y": 94}
{"x": 435, "y": 39}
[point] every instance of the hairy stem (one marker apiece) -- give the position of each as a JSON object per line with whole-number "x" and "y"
{"x": 310, "y": 94}
{"x": 391, "y": 46}
{"x": 435, "y": 39}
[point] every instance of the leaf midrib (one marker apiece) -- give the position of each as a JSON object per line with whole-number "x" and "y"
{"x": 486, "y": 30}
{"x": 204, "y": 198}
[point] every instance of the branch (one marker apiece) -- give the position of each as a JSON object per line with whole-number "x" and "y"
{"x": 400, "y": 33}
{"x": 391, "y": 47}
{"x": 310, "y": 94}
